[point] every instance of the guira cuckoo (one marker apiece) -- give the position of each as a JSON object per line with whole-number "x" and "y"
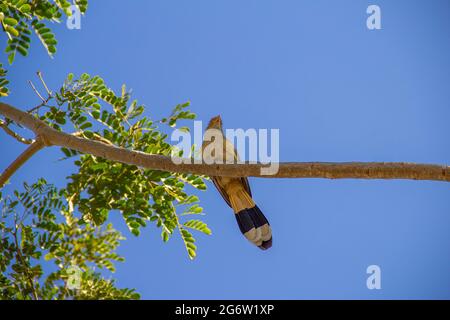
{"x": 235, "y": 191}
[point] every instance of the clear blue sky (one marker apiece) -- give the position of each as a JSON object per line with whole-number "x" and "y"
{"x": 336, "y": 91}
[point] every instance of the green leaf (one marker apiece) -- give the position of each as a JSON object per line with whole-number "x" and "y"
{"x": 86, "y": 125}
{"x": 3, "y": 83}
{"x": 12, "y": 31}
{"x": 198, "y": 225}
{"x": 45, "y": 35}
{"x": 10, "y": 21}
{"x": 25, "y": 8}
{"x": 49, "y": 256}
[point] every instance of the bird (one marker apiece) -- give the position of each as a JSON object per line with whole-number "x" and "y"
{"x": 235, "y": 190}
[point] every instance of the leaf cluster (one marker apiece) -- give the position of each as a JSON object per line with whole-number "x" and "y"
{"x": 92, "y": 110}
{"x": 38, "y": 223}
{"x": 20, "y": 18}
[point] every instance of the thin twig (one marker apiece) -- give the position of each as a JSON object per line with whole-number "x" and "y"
{"x": 13, "y": 134}
{"x": 39, "y": 74}
{"x": 95, "y": 137}
{"x": 42, "y": 104}
{"x": 44, "y": 101}
{"x": 36, "y": 90}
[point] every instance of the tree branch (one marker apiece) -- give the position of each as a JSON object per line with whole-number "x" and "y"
{"x": 20, "y": 160}
{"x": 13, "y": 134}
{"x": 329, "y": 170}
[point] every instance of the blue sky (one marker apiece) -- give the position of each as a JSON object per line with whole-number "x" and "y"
{"x": 336, "y": 90}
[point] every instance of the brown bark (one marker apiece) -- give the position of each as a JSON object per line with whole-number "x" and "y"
{"x": 329, "y": 170}
{"x": 20, "y": 160}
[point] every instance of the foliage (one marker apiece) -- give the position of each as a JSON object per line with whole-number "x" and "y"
{"x": 94, "y": 111}
{"x": 19, "y": 18}
{"x": 3, "y": 82}
{"x": 44, "y": 226}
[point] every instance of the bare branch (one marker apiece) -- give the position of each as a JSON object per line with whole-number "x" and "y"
{"x": 36, "y": 90}
{"x": 42, "y": 104}
{"x": 20, "y": 160}
{"x": 13, "y": 134}
{"x": 44, "y": 101}
{"x": 352, "y": 170}
{"x": 39, "y": 74}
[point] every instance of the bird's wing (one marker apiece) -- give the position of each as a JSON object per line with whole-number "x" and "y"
{"x": 244, "y": 180}
{"x": 246, "y": 185}
{"x": 219, "y": 188}
{"x": 223, "y": 193}
{"x": 229, "y": 148}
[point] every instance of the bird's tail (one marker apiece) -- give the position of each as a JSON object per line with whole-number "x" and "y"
{"x": 252, "y": 222}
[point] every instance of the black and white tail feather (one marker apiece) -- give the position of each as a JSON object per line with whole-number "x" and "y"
{"x": 255, "y": 227}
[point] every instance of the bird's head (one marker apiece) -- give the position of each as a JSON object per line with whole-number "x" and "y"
{"x": 215, "y": 123}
